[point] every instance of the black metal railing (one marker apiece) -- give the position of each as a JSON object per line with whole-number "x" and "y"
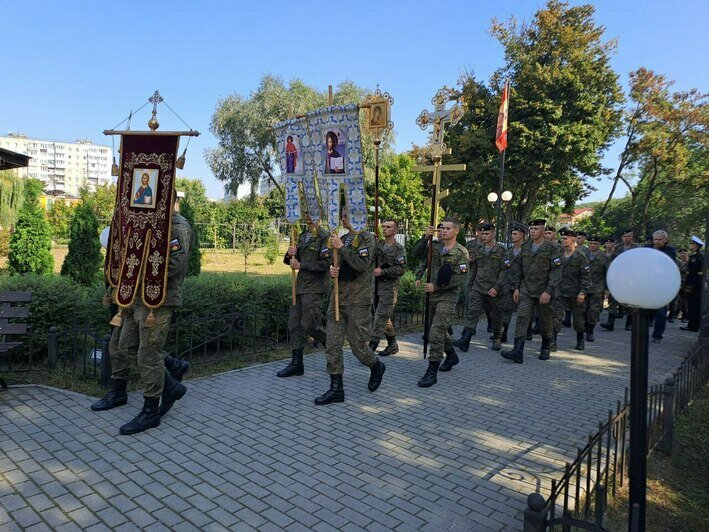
{"x": 579, "y": 498}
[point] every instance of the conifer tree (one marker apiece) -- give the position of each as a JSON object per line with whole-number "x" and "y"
{"x": 31, "y": 240}
{"x": 84, "y": 259}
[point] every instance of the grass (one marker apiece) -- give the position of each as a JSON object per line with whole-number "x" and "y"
{"x": 677, "y": 485}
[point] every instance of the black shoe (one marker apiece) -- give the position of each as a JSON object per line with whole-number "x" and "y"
{"x": 148, "y": 417}
{"x": 373, "y": 344}
{"x": 566, "y": 322}
{"x": 117, "y": 396}
{"x": 431, "y": 376}
{"x": 690, "y": 329}
{"x": 392, "y": 347}
{"x": 547, "y": 346}
{"x": 375, "y": 376}
{"x": 589, "y": 334}
{"x": 450, "y": 361}
{"x": 580, "y": 345}
{"x": 551, "y": 345}
{"x": 516, "y": 354}
{"x": 608, "y": 326}
{"x": 171, "y": 392}
{"x": 489, "y": 328}
{"x": 336, "y": 393}
{"x": 295, "y": 367}
{"x": 463, "y": 343}
{"x": 176, "y": 367}
{"x": 496, "y": 343}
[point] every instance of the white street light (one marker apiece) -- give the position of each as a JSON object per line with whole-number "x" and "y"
{"x": 105, "y": 235}
{"x": 643, "y": 278}
{"x": 506, "y": 195}
{"x": 492, "y": 197}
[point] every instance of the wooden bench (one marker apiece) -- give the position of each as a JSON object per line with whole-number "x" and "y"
{"x": 14, "y": 307}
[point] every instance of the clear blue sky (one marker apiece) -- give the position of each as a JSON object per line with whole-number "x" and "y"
{"x": 71, "y": 69}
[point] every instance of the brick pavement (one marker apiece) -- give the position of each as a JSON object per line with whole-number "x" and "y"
{"x": 248, "y": 451}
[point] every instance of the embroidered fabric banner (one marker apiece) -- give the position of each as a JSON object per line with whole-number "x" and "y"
{"x": 138, "y": 251}
{"x": 296, "y": 159}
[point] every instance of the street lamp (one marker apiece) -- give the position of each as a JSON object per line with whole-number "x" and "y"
{"x": 643, "y": 279}
{"x": 497, "y": 201}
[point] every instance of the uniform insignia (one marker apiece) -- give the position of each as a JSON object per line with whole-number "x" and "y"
{"x": 401, "y": 260}
{"x": 557, "y": 261}
{"x": 463, "y": 268}
{"x": 325, "y": 252}
{"x": 587, "y": 268}
{"x": 364, "y": 253}
{"x": 507, "y": 263}
{"x": 175, "y": 246}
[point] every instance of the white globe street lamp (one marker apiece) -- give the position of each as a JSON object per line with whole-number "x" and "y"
{"x": 492, "y": 197}
{"x": 643, "y": 279}
{"x": 506, "y": 195}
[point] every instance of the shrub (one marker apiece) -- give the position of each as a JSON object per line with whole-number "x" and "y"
{"x": 84, "y": 259}
{"x": 31, "y": 241}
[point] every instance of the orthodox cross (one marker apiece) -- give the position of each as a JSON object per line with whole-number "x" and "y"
{"x": 155, "y": 99}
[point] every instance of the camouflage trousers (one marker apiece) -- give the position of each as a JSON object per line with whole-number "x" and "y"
{"x": 356, "y": 326}
{"x": 383, "y": 325}
{"x": 305, "y": 319}
{"x": 477, "y": 303}
{"x": 441, "y": 315}
{"x": 527, "y": 306}
{"x": 577, "y": 309}
{"x": 507, "y": 305}
{"x": 142, "y": 347}
{"x": 594, "y": 307}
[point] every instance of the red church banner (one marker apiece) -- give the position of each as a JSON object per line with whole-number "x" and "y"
{"x": 138, "y": 252}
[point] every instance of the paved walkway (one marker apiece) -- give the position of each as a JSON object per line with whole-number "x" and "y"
{"x": 245, "y": 450}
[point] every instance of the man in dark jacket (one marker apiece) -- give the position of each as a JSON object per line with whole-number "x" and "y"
{"x": 659, "y": 242}
{"x": 695, "y": 273}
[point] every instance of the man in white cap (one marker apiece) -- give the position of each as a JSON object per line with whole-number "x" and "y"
{"x": 695, "y": 272}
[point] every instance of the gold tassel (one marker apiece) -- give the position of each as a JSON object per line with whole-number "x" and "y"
{"x": 117, "y": 320}
{"x": 150, "y": 320}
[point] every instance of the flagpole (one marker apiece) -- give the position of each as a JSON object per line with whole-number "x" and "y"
{"x": 499, "y": 195}
{"x": 501, "y": 143}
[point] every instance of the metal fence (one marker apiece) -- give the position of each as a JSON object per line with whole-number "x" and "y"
{"x": 579, "y": 498}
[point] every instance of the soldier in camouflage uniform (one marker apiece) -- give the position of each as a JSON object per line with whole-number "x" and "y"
{"x": 142, "y": 344}
{"x": 598, "y": 262}
{"x": 571, "y": 291}
{"x": 507, "y": 302}
{"x": 581, "y": 242}
{"x": 311, "y": 256}
{"x": 449, "y": 266}
{"x": 355, "y": 275}
{"x": 391, "y": 265}
{"x": 488, "y": 267}
{"x": 614, "y": 309}
{"x": 537, "y": 274}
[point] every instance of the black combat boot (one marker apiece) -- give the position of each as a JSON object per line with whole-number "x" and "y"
{"x": 463, "y": 343}
{"x": 336, "y": 393}
{"x": 516, "y": 354}
{"x": 295, "y": 367}
{"x": 628, "y": 323}
{"x": 544, "y": 351}
{"x": 529, "y": 331}
{"x": 431, "y": 376}
{"x": 375, "y": 376}
{"x": 117, "y": 396}
{"x": 172, "y": 391}
{"x": 176, "y": 367}
{"x": 551, "y": 345}
{"x": 450, "y": 361}
{"x": 497, "y": 342}
{"x": 505, "y": 328}
{"x": 589, "y": 332}
{"x": 373, "y": 344}
{"x": 566, "y": 322}
{"x": 450, "y": 330}
{"x": 392, "y": 347}
{"x": 148, "y": 417}
{"x": 610, "y": 324}
{"x": 580, "y": 345}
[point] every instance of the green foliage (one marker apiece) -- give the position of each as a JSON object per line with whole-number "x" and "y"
{"x": 31, "y": 241}
{"x": 5, "y": 235}
{"x": 272, "y": 250}
{"x": 102, "y": 201}
{"x": 84, "y": 259}
{"x": 59, "y": 217}
{"x": 11, "y": 197}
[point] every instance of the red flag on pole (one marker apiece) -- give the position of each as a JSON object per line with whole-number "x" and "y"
{"x": 501, "y": 135}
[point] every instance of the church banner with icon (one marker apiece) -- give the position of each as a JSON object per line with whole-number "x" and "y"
{"x": 139, "y": 244}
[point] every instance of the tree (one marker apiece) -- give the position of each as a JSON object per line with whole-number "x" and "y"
{"x": 11, "y": 195}
{"x": 84, "y": 259}
{"x": 564, "y": 104}
{"x": 59, "y": 217}
{"x": 31, "y": 241}
{"x": 102, "y": 201}
{"x": 244, "y": 129}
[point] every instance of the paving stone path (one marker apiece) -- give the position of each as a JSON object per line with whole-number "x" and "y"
{"x": 248, "y": 451}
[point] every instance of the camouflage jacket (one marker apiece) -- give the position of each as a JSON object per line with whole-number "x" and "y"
{"x": 508, "y": 283}
{"x": 488, "y": 269}
{"x": 392, "y": 261}
{"x": 538, "y": 271}
{"x": 356, "y": 261}
{"x": 181, "y": 241}
{"x": 575, "y": 275}
{"x": 313, "y": 254}
{"x": 599, "y": 267}
{"x": 457, "y": 258}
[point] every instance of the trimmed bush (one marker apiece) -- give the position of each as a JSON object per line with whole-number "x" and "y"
{"x": 31, "y": 240}
{"x": 84, "y": 260}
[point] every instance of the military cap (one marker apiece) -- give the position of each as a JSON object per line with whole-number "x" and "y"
{"x": 697, "y": 241}
{"x": 626, "y": 231}
{"x": 610, "y": 240}
{"x": 681, "y": 250}
{"x": 537, "y": 222}
{"x": 486, "y": 226}
{"x": 550, "y": 228}
{"x": 580, "y": 233}
{"x": 594, "y": 238}
{"x": 445, "y": 273}
{"x": 518, "y": 226}
{"x": 566, "y": 232}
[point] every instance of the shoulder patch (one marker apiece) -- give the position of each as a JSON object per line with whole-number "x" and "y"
{"x": 463, "y": 267}
{"x": 508, "y": 263}
{"x": 557, "y": 261}
{"x": 325, "y": 252}
{"x": 401, "y": 260}
{"x": 587, "y": 268}
{"x": 175, "y": 245}
{"x": 364, "y": 253}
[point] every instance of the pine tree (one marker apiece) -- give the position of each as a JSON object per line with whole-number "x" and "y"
{"x": 31, "y": 240}
{"x": 84, "y": 259}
